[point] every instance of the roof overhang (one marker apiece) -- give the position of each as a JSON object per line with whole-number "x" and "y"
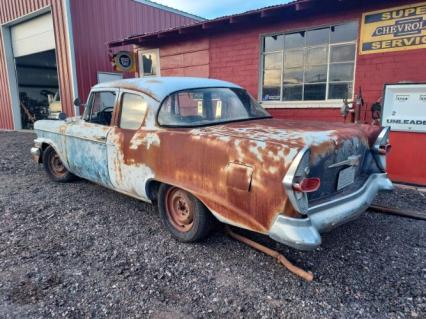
{"x": 291, "y": 10}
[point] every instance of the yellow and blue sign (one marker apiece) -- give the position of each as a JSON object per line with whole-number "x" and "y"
{"x": 394, "y": 29}
{"x": 124, "y": 61}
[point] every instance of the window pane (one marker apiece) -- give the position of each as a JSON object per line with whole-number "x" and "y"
{"x": 149, "y": 63}
{"x": 209, "y": 106}
{"x": 314, "y": 92}
{"x": 293, "y": 76}
{"x": 133, "y": 110}
{"x": 316, "y": 56}
{"x": 341, "y": 72}
{"x": 316, "y": 74}
{"x": 272, "y": 77}
{"x": 271, "y": 85}
{"x": 319, "y": 36}
{"x": 101, "y": 108}
{"x": 342, "y": 53}
{"x": 273, "y": 61}
{"x": 293, "y": 58}
{"x": 344, "y": 32}
{"x": 340, "y": 91}
{"x": 273, "y": 43}
{"x": 294, "y": 40}
{"x": 271, "y": 93}
{"x": 292, "y": 93}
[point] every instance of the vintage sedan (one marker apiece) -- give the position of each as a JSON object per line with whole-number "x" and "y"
{"x": 205, "y": 150}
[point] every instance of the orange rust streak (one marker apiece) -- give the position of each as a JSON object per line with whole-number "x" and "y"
{"x": 196, "y": 160}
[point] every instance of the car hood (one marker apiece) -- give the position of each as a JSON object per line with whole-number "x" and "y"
{"x": 295, "y": 134}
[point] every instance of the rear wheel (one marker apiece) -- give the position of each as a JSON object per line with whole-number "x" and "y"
{"x": 183, "y": 215}
{"x": 54, "y": 166}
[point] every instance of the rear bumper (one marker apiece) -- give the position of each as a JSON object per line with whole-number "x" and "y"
{"x": 304, "y": 233}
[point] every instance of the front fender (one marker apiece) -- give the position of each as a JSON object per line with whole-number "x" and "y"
{"x": 54, "y": 141}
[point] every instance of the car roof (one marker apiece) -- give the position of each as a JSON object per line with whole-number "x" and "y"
{"x": 160, "y": 87}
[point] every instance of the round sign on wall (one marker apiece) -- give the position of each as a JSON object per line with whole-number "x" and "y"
{"x": 124, "y": 61}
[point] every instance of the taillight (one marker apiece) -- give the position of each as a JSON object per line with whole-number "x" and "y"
{"x": 384, "y": 149}
{"x": 307, "y": 185}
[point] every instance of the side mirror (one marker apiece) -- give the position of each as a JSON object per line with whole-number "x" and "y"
{"x": 62, "y": 116}
{"x": 77, "y": 102}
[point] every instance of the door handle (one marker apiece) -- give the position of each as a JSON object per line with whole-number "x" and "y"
{"x": 100, "y": 138}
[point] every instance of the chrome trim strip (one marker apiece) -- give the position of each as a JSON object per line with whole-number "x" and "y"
{"x": 289, "y": 177}
{"x": 381, "y": 140}
{"x": 103, "y": 141}
{"x": 352, "y": 160}
{"x": 383, "y": 134}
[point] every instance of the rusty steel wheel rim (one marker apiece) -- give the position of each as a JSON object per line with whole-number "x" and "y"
{"x": 180, "y": 209}
{"x": 55, "y": 163}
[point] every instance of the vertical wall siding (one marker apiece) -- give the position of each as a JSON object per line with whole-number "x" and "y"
{"x": 5, "y": 109}
{"x": 13, "y": 9}
{"x": 97, "y": 22}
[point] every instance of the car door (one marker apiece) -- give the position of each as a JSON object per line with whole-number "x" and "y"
{"x": 130, "y": 144}
{"x": 86, "y": 139}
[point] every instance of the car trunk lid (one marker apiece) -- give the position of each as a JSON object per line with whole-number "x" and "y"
{"x": 333, "y": 148}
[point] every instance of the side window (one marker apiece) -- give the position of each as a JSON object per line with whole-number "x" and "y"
{"x": 100, "y": 107}
{"x": 133, "y": 110}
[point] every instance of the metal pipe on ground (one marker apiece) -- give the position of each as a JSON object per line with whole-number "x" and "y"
{"x": 307, "y": 275}
{"x": 399, "y": 212}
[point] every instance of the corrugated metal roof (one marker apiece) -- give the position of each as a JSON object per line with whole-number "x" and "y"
{"x": 263, "y": 12}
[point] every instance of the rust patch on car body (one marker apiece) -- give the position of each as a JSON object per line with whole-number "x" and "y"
{"x": 239, "y": 176}
{"x": 235, "y": 169}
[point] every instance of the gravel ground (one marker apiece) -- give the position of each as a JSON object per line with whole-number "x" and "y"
{"x": 82, "y": 251}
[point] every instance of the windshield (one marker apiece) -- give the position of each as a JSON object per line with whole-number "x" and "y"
{"x": 197, "y": 107}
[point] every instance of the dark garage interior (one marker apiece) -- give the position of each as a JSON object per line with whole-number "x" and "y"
{"x": 38, "y": 86}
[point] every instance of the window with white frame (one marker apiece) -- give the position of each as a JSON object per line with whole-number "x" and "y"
{"x": 310, "y": 65}
{"x": 149, "y": 63}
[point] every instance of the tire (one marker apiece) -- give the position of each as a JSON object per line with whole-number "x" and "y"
{"x": 183, "y": 215}
{"x": 54, "y": 167}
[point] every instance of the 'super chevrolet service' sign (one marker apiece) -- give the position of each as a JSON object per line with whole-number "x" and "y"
{"x": 404, "y": 107}
{"x": 394, "y": 29}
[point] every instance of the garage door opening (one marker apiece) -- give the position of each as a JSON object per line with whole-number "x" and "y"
{"x": 38, "y": 87}
{"x": 34, "y": 53}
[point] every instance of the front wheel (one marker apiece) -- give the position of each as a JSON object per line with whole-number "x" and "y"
{"x": 54, "y": 166}
{"x": 183, "y": 215}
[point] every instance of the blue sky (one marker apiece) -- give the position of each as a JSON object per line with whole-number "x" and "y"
{"x": 215, "y": 8}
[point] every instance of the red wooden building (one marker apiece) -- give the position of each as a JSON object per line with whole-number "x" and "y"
{"x": 52, "y": 51}
{"x": 303, "y": 58}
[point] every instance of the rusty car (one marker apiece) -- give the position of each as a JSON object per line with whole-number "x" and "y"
{"x": 205, "y": 150}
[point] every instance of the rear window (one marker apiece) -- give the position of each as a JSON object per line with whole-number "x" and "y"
{"x": 197, "y": 107}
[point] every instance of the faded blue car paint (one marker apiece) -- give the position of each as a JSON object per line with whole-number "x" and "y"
{"x": 87, "y": 151}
